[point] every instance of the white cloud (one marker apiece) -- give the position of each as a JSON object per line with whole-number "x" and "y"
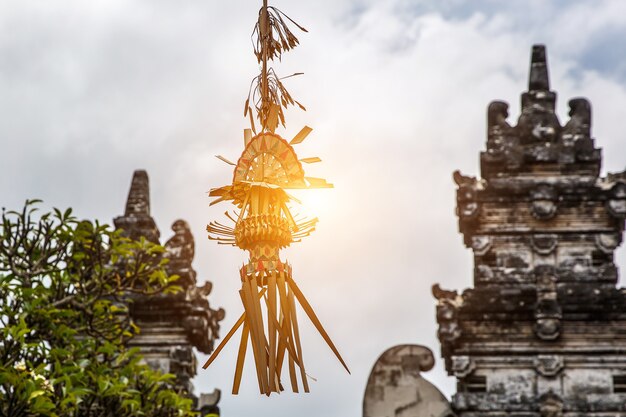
{"x": 396, "y": 92}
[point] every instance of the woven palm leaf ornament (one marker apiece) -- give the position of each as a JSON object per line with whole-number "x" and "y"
{"x": 263, "y": 222}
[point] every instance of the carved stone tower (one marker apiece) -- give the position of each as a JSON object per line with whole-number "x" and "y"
{"x": 171, "y": 324}
{"x": 543, "y": 331}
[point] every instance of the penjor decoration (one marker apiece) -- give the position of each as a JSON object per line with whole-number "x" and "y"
{"x": 264, "y": 222}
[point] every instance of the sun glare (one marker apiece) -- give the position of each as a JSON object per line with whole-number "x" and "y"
{"x": 312, "y": 202}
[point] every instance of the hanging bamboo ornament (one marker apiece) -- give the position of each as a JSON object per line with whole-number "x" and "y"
{"x": 267, "y": 167}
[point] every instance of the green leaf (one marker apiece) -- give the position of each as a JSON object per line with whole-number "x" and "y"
{"x": 36, "y": 394}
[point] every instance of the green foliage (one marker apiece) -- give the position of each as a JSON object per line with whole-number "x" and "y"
{"x": 64, "y": 290}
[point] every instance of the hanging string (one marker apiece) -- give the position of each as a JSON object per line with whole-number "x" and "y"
{"x": 271, "y": 38}
{"x": 264, "y": 29}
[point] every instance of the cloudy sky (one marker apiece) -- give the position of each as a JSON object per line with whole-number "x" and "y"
{"x": 396, "y": 91}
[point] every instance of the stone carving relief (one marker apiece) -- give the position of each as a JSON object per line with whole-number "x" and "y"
{"x": 550, "y": 405}
{"x": 502, "y": 144}
{"x": 617, "y": 201}
{"x": 448, "y": 305}
{"x": 395, "y": 387}
{"x": 467, "y": 204}
{"x": 497, "y": 126}
{"x": 180, "y": 246}
{"x": 462, "y": 366}
{"x": 576, "y": 143}
{"x": 544, "y": 244}
{"x": 481, "y": 244}
{"x": 543, "y": 202}
{"x": 547, "y": 310}
{"x": 179, "y": 249}
{"x": 579, "y": 125}
{"x": 608, "y": 242}
{"x": 549, "y": 365}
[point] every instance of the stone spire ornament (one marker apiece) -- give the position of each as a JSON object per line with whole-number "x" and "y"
{"x": 264, "y": 223}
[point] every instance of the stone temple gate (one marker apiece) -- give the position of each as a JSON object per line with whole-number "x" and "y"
{"x": 543, "y": 331}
